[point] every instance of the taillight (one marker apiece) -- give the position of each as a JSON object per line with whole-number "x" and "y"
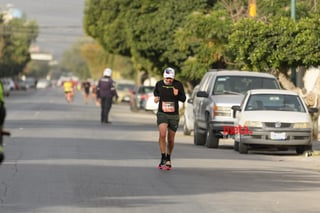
{"x": 144, "y": 97}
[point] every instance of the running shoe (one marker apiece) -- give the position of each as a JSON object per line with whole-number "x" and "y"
{"x": 162, "y": 164}
{"x": 168, "y": 165}
{"x": 1, "y": 154}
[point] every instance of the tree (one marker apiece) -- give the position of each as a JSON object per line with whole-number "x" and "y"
{"x": 98, "y": 59}
{"x": 73, "y": 62}
{"x": 278, "y": 44}
{"x": 15, "y": 39}
{"x": 202, "y": 41}
{"x": 142, "y": 30}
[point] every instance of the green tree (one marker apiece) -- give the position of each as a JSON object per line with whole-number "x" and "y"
{"x": 15, "y": 39}
{"x": 202, "y": 41}
{"x": 73, "y": 62}
{"x": 98, "y": 59}
{"x": 278, "y": 44}
{"x": 143, "y": 30}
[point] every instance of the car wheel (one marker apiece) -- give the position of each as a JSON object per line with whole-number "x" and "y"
{"x": 198, "y": 138}
{"x": 243, "y": 148}
{"x": 133, "y": 107}
{"x": 186, "y": 131}
{"x": 237, "y": 139}
{"x": 236, "y": 146}
{"x": 211, "y": 140}
{"x": 301, "y": 149}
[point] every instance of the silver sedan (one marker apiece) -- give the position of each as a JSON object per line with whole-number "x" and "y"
{"x": 272, "y": 118}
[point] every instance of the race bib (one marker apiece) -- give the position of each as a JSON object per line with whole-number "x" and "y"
{"x": 168, "y": 106}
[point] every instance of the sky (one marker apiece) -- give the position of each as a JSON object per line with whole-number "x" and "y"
{"x": 60, "y": 22}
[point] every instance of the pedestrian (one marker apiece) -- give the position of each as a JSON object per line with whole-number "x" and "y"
{"x": 86, "y": 86}
{"x": 167, "y": 93}
{"x": 94, "y": 92}
{"x": 2, "y": 118}
{"x": 106, "y": 90}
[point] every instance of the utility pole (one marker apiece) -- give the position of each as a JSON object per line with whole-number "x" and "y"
{"x": 293, "y": 16}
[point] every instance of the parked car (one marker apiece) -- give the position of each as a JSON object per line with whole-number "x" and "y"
{"x": 43, "y": 83}
{"x": 152, "y": 106}
{"x": 30, "y": 82}
{"x": 124, "y": 89}
{"x": 139, "y": 97}
{"x": 218, "y": 91}
{"x": 22, "y": 85}
{"x": 6, "y": 86}
{"x": 273, "y": 118}
{"x": 188, "y": 121}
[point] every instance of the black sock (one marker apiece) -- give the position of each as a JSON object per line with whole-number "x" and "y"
{"x": 168, "y": 157}
{"x": 163, "y": 156}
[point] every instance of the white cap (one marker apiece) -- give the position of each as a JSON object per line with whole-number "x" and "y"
{"x": 168, "y": 73}
{"x": 107, "y": 72}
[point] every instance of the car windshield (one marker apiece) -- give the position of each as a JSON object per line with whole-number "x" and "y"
{"x": 275, "y": 102}
{"x": 241, "y": 84}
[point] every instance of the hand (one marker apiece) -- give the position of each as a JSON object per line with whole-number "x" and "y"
{"x": 175, "y": 91}
{"x": 156, "y": 99}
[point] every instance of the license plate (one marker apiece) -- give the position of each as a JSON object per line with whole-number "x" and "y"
{"x": 278, "y": 136}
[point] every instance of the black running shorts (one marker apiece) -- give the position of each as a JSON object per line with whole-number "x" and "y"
{"x": 171, "y": 120}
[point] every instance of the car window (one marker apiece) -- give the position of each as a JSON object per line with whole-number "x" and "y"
{"x": 205, "y": 83}
{"x": 277, "y": 102}
{"x": 241, "y": 84}
{"x": 148, "y": 89}
{"x": 195, "y": 90}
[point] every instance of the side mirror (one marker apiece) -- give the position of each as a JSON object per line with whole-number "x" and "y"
{"x": 202, "y": 94}
{"x": 313, "y": 110}
{"x": 235, "y": 108}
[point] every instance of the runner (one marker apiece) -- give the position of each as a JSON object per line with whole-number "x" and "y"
{"x": 168, "y": 92}
{"x": 68, "y": 90}
{"x": 86, "y": 90}
{"x": 2, "y": 118}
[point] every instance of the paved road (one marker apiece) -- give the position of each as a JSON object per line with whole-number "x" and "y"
{"x": 60, "y": 159}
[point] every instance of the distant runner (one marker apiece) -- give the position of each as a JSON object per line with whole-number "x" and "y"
{"x": 68, "y": 90}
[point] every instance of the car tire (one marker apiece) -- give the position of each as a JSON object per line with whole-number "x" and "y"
{"x": 133, "y": 107}
{"x": 236, "y": 146}
{"x": 198, "y": 138}
{"x": 237, "y": 139}
{"x": 186, "y": 131}
{"x": 301, "y": 149}
{"x": 211, "y": 140}
{"x": 243, "y": 148}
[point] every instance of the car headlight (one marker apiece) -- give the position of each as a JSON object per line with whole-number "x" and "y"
{"x": 302, "y": 125}
{"x": 221, "y": 111}
{"x": 256, "y": 124}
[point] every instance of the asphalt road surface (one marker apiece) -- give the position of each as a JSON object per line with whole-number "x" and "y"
{"x": 61, "y": 159}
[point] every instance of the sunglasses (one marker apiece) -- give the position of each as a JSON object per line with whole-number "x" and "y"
{"x": 169, "y": 78}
